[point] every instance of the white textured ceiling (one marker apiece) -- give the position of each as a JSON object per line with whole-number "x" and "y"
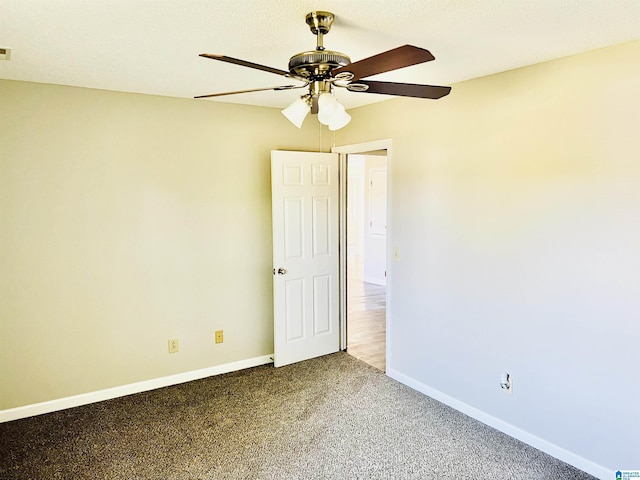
{"x": 152, "y": 46}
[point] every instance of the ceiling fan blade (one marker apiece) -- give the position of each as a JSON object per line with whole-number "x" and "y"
{"x": 400, "y": 57}
{"x": 401, "y": 89}
{"x": 281, "y": 87}
{"x": 244, "y": 63}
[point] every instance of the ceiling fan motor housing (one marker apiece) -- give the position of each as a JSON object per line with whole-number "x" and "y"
{"x": 317, "y": 64}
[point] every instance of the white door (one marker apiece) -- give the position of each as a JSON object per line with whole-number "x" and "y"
{"x": 375, "y": 242}
{"x": 304, "y": 191}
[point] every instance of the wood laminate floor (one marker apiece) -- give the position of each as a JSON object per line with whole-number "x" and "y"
{"x": 366, "y": 319}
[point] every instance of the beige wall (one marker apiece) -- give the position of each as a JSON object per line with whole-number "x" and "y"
{"x": 127, "y": 220}
{"x": 515, "y": 208}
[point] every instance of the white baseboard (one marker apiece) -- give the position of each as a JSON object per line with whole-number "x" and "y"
{"x": 121, "y": 391}
{"x": 543, "y": 445}
{"x": 375, "y": 280}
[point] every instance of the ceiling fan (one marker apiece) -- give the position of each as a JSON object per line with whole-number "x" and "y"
{"x": 320, "y": 70}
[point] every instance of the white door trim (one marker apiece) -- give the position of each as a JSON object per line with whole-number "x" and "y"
{"x": 344, "y": 150}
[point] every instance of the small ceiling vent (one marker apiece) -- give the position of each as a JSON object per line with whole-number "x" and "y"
{"x": 5, "y": 53}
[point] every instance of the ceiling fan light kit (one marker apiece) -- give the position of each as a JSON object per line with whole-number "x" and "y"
{"x": 331, "y": 112}
{"x": 340, "y": 120}
{"x": 328, "y": 106}
{"x": 297, "y": 111}
{"x": 321, "y": 70}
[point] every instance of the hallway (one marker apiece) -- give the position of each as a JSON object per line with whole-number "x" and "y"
{"x": 366, "y": 318}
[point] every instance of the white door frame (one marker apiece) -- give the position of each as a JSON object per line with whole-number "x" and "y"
{"x": 344, "y": 150}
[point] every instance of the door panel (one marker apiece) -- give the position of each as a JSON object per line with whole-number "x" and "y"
{"x": 322, "y": 304}
{"x": 305, "y": 255}
{"x": 293, "y": 227}
{"x": 294, "y": 293}
{"x": 321, "y": 227}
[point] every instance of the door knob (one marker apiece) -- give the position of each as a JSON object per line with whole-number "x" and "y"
{"x": 281, "y": 271}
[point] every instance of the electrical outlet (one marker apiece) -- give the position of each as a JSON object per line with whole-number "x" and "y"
{"x": 173, "y": 345}
{"x": 506, "y": 383}
{"x": 219, "y": 336}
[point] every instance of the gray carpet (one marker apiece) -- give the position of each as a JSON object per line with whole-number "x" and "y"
{"x": 333, "y": 417}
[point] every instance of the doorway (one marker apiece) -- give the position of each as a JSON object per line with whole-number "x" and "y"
{"x": 366, "y": 265}
{"x": 379, "y": 147}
